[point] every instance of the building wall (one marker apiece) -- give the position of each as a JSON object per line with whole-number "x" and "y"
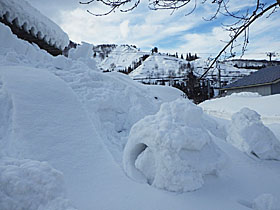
{"x": 262, "y": 90}
{"x": 275, "y": 88}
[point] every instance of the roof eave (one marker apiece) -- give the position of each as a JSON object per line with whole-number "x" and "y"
{"x": 254, "y": 85}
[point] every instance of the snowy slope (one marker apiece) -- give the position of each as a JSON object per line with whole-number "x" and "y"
{"x": 121, "y": 57}
{"x": 63, "y": 111}
{"x": 30, "y": 19}
{"x": 159, "y": 66}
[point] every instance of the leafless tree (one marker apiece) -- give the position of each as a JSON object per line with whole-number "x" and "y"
{"x": 242, "y": 20}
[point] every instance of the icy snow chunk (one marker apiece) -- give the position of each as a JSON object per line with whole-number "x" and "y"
{"x": 250, "y": 135}
{"x": 266, "y": 202}
{"x": 32, "y": 185}
{"x": 172, "y": 150}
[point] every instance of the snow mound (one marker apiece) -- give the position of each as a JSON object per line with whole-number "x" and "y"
{"x": 172, "y": 150}
{"x": 249, "y": 134}
{"x": 266, "y": 202}
{"x": 32, "y": 185}
{"x": 30, "y": 19}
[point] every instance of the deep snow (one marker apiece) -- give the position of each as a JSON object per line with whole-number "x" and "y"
{"x": 63, "y": 111}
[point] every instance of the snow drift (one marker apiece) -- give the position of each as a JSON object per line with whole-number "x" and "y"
{"x": 250, "y": 135}
{"x": 172, "y": 150}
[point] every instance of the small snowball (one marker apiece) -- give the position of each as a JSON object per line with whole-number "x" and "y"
{"x": 250, "y": 135}
{"x": 172, "y": 149}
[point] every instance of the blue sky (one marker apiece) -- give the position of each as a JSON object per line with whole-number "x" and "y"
{"x": 170, "y": 33}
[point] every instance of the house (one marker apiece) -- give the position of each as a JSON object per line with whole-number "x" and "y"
{"x": 265, "y": 81}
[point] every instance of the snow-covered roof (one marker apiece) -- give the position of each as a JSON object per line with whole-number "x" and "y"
{"x": 263, "y": 76}
{"x": 30, "y": 19}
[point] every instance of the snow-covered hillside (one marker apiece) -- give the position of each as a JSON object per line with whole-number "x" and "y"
{"x": 158, "y": 65}
{"x": 72, "y": 137}
{"x": 121, "y": 57}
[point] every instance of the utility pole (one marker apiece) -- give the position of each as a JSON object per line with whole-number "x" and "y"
{"x": 270, "y": 55}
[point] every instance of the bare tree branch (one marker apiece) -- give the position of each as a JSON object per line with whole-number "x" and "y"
{"x": 242, "y": 29}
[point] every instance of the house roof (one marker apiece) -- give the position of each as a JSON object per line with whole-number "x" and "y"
{"x": 263, "y": 76}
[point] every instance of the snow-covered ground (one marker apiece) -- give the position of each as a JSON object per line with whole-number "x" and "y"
{"x": 225, "y": 107}
{"x": 66, "y": 129}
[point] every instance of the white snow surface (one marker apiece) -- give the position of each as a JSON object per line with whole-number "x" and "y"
{"x": 225, "y": 107}
{"x": 172, "y": 150}
{"x": 250, "y": 135}
{"x": 61, "y": 111}
{"x": 32, "y": 185}
{"x": 266, "y": 202}
{"x": 30, "y": 19}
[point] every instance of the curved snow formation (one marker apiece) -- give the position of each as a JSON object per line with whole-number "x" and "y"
{"x": 33, "y": 185}
{"x": 172, "y": 150}
{"x": 250, "y": 135}
{"x": 22, "y": 14}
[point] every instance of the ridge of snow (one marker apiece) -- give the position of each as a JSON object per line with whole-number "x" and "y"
{"x": 30, "y": 19}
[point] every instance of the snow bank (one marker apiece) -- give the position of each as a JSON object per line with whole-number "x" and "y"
{"x": 30, "y": 19}
{"x": 32, "y": 185}
{"x": 171, "y": 150}
{"x": 225, "y": 107}
{"x": 266, "y": 202}
{"x": 248, "y": 134}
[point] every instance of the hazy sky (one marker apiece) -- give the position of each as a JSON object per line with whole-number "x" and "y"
{"x": 170, "y": 33}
